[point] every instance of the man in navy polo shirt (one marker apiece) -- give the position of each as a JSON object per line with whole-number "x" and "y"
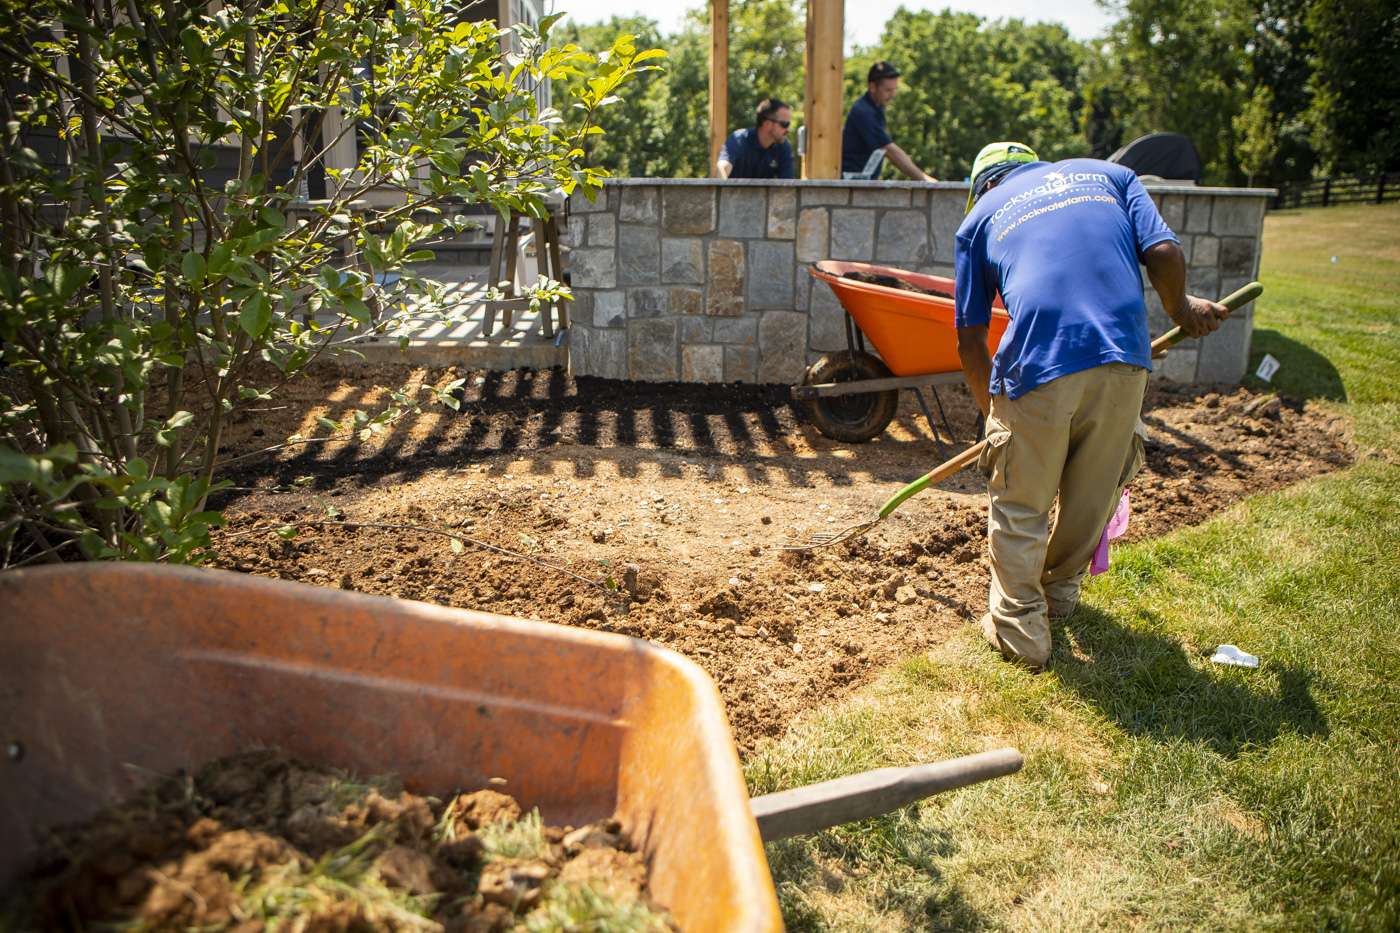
{"x": 762, "y": 150}
{"x": 865, "y": 143}
{"x": 1061, "y": 243}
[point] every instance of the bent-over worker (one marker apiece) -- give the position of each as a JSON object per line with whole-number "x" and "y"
{"x": 1061, "y": 242}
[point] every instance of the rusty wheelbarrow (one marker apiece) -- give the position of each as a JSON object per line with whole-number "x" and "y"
{"x": 851, "y": 395}
{"x": 114, "y": 673}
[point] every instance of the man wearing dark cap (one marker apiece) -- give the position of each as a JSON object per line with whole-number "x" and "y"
{"x": 865, "y": 143}
{"x": 761, "y": 150}
{"x": 1061, "y": 242}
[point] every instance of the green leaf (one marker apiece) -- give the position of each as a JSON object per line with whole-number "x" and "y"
{"x": 179, "y": 420}
{"x": 256, "y": 315}
{"x": 457, "y": 546}
{"x": 287, "y": 532}
{"x": 16, "y": 467}
{"x": 192, "y": 267}
{"x": 67, "y": 278}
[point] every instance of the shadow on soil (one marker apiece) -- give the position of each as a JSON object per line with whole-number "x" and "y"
{"x": 1303, "y": 372}
{"x": 551, "y": 414}
{"x": 800, "y": 867}
{"x": 1146, "y": 683}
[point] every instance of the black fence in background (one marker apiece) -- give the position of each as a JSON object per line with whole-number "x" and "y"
{"x": 1341, "y": 189}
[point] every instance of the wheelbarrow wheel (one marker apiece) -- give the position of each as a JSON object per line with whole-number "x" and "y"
{"x": 854, "y": 418}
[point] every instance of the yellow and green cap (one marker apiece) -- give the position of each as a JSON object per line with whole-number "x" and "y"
{"x": 994, "y": 155}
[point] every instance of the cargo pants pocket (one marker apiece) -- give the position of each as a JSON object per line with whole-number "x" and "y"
{"x": 1137, "y": 455}
{"x": 992, "y": 461}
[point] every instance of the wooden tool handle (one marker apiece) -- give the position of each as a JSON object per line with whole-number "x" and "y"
{"x": 871, "y": 793}
{"x": 1233, "y": 302}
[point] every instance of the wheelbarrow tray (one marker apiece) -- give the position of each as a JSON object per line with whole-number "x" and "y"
{"x": 114, "y": 673}
{"x": 914, "y": 333}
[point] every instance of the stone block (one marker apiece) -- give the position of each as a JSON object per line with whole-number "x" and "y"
{"x": 688, "y": 211}
{"x": 1205, "y": 250}
{"x": 743, "y": 212}
{"x": 1179, "y": 365}
{"x": 593, "y": 268}
{"x": 609, "y": 309}
{"x": 812, "y": 226}
{"x": 782, "y": 213}
{"x": 687, "y": 301}
{"x": 698, "y": 329}
{"x": 651, "y": 350}
{"x": 812, "y": 197}
{"x": 770, "y": 269}
{"x": 602, "y": 230}
{"x": 736, "y": 330}
{"x": 918, "y": 200}
{"x": 879, "y": 197}
{"x": 1203, "y": 282}
{"x": 903, "y": 238}
{"x": 826, "y": 321}
{"x": 1173, "y": 212}
{"x": 725, "y": 294}
{"x": 1197, "y": 213}
{"x": 581, "y": 308}
{"x": 578, "y": 229}
{"x": 598, "y": 352}
{"x": 579, "y": 203}
{"x": 1238, "y": 216}
{"x": 702, "y": 363}
{"x": 852, "y": 234}
{"x": 782, "y": 347}
{"x": 1236, "y": 256}
{"x": 638, "y": 255}
{"x": 1224, "y": 353}
{"x": 682, "y": 261}
{"x": 640, "y": 205}
{"x": 1158, "y": 322}
{"x": 740, "y": 364}
{"x": 945, "y": 215}
{"x": 647, "y": 302}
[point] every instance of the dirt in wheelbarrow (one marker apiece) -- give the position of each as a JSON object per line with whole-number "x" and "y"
{"x": 893, "y": 281}
{"x": 678, "y": 496}
{"x": 260, "y": 841}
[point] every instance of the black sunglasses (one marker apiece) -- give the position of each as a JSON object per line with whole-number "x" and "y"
{"x": 783, "y": 123}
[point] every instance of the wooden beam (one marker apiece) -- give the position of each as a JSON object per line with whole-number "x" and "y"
{"x": 824, "y": 108}
{"x": 719, "y": 78}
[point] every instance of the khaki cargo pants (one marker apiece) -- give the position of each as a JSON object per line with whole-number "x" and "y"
{"x": 1078, "y": 437}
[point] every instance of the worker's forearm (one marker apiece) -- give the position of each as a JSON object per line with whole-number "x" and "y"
{"x": 905, "y": 164}
{"x": 1166, "y": 269}
{"x": 977, "y": 365}
{"x": 724, "y": 168}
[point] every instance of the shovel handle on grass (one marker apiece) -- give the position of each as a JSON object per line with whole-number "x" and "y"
{"x": 1232, "y": 302}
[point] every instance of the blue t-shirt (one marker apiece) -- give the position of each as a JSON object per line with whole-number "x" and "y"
{"x": 750, "y": 160}
{"x": 863, "y": 139}
{"x": 1061, "y": 243}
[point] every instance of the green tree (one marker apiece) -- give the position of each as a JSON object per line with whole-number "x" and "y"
{"x": 1256, "y": 132}
{"x": 1355, "y": 110}
{"x": 145, "y": 298}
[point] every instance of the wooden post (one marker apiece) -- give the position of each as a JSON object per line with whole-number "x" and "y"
{"x": 824, "y": 107}
{"x": 719, "y": 78}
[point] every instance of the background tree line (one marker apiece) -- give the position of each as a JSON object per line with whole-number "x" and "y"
{"x": 1270, "y": 91}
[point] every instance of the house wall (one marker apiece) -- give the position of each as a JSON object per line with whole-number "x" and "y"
{"x": 703, "y": 280}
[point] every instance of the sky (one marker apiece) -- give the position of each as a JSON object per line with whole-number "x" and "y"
{"x": 1084, "y": 19}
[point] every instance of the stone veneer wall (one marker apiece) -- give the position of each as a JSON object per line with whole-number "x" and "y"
{"x": 703, "y": 280}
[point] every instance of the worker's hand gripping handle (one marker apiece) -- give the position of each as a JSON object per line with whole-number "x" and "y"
{"x": 1232, "y": 302}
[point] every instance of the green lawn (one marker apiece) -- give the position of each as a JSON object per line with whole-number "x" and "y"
{"x": 1160, "y": 790}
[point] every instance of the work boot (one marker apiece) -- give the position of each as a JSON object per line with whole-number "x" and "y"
{"x": 989, "y": 632}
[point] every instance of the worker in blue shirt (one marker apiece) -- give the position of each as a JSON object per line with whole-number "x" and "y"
{"x": 865, "y": 143}
{"x": 1061, "y": 242}
{"x": 761, "y": 150}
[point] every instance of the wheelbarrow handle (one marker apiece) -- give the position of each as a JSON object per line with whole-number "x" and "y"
{"x": 872, "y": 793}
{"x": 1233, "y": 302}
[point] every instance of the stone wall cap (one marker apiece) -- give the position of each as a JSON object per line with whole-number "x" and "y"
{"x": 1186, "y": 190}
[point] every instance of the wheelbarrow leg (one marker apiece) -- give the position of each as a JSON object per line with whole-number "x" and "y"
{"x": 872, "y": 793}
{"x": 933, "y": 428}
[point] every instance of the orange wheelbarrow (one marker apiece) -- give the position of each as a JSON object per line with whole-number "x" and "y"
{"x": 113, "y": 673}
{"x": 851, "y": 395}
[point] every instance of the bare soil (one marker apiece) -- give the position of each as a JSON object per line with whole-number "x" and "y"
{"x": 679, "y": 496}
{"x": 252, "y": 841}
{"x": 894, "y": 281}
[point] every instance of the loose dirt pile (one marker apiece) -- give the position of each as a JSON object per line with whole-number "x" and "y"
{"x": 259, "y": 841}
{"x": 668, "y": 500}
{"x": 894, "y": 281}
